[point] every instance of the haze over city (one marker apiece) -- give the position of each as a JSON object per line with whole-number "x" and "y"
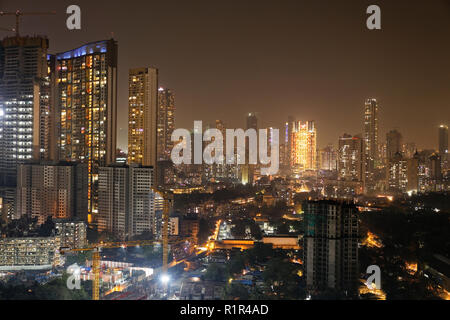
{"x": 318, "y": 167}
{"x": 314, "y": 60}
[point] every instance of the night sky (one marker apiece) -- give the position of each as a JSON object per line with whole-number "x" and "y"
{"x": 313, "y": 59}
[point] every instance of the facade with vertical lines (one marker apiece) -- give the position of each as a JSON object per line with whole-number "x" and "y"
{"x": 87, "y": 100}
{"x": 142, "y": 116}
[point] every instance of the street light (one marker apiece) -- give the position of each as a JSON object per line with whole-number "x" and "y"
{"x": 165, "y": 278}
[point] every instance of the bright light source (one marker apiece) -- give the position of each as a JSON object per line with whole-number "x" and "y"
{"x": 165, "y": 278}
{"x": 2, "y": 113}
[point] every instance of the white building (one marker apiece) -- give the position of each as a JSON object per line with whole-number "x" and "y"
{"x": 126, "y": 201}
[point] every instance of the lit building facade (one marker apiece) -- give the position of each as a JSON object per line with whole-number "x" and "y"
{"x": 166, "y": 122}
{"x": 330, "y": 245}
{"x": 443, "y": 145}
{"x": 30, "y": 253}
{"x": 409, "y": 149}
{"x": 24, "y": 94}
{"x": 370, "y": 140}
{"x": 304, "y": 144}
{"x": 328, "y": 158}
{"x": 113, "y": 200}
{"x": 397, "y": 174}
{"x": 412, "y": 173}
{"x": 126, "y": 202}
{"x": 247, "y": 171}
{"x": 87, "y": 100}
{"x": 220, "y": 172}
{"x": 142, "y": 116}
{"x": 71, "y": 233}
{"x": 351, "y": 158}
{"x": 52, "y": 190}
{"x": 285, "y": 151}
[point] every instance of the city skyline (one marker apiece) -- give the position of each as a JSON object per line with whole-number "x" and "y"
{"x": 225, "y": 151}
{"x": 222, "y": 81}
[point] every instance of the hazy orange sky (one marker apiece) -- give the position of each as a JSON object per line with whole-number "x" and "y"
{"x": 314, "y": 60}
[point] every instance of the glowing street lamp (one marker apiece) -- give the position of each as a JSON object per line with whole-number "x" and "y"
{"x": 165, "y": 278}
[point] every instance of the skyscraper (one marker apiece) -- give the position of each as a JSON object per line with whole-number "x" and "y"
{"x": 304, "y": 144}
{"x": 126, "y": 201}
{"x": 252, "y": 121}
{"x": 412, "y": 174}
{"x": 370, "y": 140}
{"x": 223, "y": 171}
{"x": 23, "y": 71}
{"x": 397, "y": 173}
{"x": 443, "y": 145}
{"x": 443, "y": 139}
{"x": 409, "y": 149}
{"x": 87, "y": 98}
{"x": 113, "y": 200}
{"x": 393, "y": 144}
{"x": 350, "y": 158}
{"x": 328, "y": 158}
{"x": 287, "y": 144}
{"x": 330, "y": 245}
{"x": 247, "y": 170}
{"x": 142, "y": 116}
{"x": 166, "y": 122}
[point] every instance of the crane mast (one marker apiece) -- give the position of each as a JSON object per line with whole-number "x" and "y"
{"x": 19, "y": 13}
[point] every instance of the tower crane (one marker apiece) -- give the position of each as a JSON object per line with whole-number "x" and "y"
{"x": 96, "y": 249}
{"x": 168, "y": 203}
{"x": 19, "y": 13}
{"x": 7, "y": 29}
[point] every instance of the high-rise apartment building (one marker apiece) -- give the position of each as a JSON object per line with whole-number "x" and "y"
{"x": 328, "y": 158}
{"x": 304, "y": 144}
{"x": 409, "y": 149}
{"x": 166, "y": 122}
{"x": 330, "y": 245}
{"x": 370, "y": 140}
{"x": 285, "y": 147}
{"x": 412, "y": 174}
{"x": 252, "y": 121}
{"x": 8, "y": 200}
{"x": 24, "y": 103}
{"x": 443, "y": 139}
{"x": 247, "y": 170}
{"x": 87, "y": 100}
{"x": 126, "y": 201}
{"x": 113, "y": 200}
{"x": 224, "y": 171}
{"x": 142, "y": 116}
{"x": 397, "y": 173}
{"x": 351, "y": 158}
{"x": 393, "y": 144}
{"x": 443, "y": 145}
{"x": 55, "y": 190}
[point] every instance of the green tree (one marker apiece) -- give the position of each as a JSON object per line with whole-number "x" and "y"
{"x": 282, "y": 278}
{"x": 215, "y": 272}
{"x": 236, "y": 291}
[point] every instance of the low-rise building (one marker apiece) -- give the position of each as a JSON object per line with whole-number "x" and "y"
{"x": 204, "y": 290}
{"x": 30, "y": 253}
